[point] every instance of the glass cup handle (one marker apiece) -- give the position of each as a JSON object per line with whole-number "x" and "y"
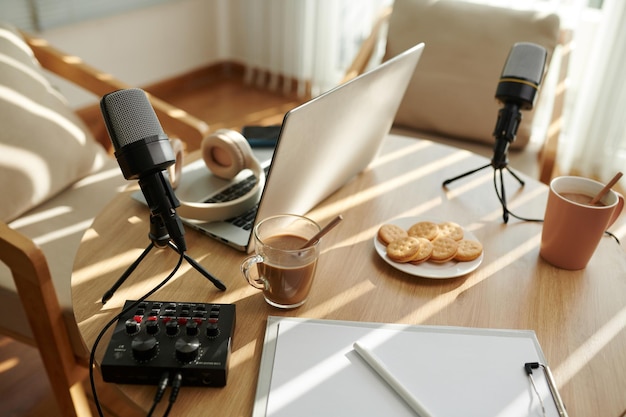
{"x": 246, "y": 265}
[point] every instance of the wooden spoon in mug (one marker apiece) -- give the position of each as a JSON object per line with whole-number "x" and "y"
{"x": 322, "y": 232}
{"x": 606, "y": 189}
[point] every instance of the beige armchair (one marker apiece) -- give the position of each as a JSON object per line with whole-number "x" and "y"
{"x": 54, "y": 178}
{"x": 451, "y": 96}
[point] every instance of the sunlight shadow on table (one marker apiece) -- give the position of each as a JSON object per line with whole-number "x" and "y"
{"x": 592, "y": 346}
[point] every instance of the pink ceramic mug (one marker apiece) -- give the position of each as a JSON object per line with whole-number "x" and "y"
{"x": 572, "y": 229}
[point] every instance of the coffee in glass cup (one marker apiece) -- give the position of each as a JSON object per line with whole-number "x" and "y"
{"x": 284, "y": 269}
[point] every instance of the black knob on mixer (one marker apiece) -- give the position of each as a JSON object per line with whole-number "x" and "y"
{"x": 144, "y": 347}
{"x": 171, "y": 328}
{"x": 192, "y": 328}
{"x": 132, "y": 327}
{"x": 187, "y": 349}
{"x": 212, "y": 330}
{"x": 152, "y": 327}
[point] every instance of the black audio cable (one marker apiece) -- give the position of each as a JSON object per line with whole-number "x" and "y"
{"x": 161, "y": 387}
{"x": 502, "y": 199}
{"x": 92, "y": 354}
{"x": 176, "y": 383}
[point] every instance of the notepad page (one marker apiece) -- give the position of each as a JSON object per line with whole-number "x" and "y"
{"x": 452, "y": 371}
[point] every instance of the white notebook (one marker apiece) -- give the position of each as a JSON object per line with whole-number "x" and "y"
{"x": 309, "y": 368}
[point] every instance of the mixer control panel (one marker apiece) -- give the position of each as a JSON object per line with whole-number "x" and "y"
{"x": 155, "y": 337}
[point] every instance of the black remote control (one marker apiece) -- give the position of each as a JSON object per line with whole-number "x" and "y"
{"x": 193, "y": 339}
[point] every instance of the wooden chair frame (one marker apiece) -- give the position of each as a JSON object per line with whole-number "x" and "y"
{"x": 29, "y": 267}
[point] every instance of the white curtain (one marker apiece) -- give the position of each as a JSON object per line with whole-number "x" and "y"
{"x": 311, "y": 42}
{"x": 594, "y": 143}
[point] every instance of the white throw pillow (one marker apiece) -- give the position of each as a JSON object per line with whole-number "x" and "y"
{"x": 44, "y": 146}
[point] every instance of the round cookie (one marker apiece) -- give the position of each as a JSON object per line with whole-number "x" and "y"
{"x": 451, "y": 229}
{"x": 403, "y": 249}
{"x": 425, "y": 229}
{"x": 424, "y": 251}
{"x": 444, "y": 249}
{"x": 387, "y": 233}
{"x": 468, "y": 250}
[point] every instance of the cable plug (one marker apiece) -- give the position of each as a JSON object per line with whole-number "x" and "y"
{"x": 529, "y": 366}
{"x": 161, "y": 387}
{"x": 176, "y": 383}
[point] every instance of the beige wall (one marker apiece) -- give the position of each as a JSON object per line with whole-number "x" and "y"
{"x": 147, "y": 45}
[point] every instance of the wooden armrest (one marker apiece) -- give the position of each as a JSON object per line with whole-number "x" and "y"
{"x": 34, "y": 285}
{"x": 175, "y": 121}
{"x": 363, "y": 56}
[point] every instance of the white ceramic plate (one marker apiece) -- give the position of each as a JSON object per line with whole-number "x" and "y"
{"x": 450, "y": 269}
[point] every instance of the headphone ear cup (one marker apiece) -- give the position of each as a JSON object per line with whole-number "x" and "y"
{"x": 226, "y": 153}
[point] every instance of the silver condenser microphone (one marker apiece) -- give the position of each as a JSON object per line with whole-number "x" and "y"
{"x": 517, "y": 90}
{"x": 143, "y": 152}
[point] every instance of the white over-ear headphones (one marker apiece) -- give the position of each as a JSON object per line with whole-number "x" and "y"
{"x": 225, "y": 153}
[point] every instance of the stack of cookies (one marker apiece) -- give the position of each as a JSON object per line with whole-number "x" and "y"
{"x": 428, "y": 241}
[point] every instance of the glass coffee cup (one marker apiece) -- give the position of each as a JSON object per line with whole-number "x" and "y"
{"x": 284, "y": 269}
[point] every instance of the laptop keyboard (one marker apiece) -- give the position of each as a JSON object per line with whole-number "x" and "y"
{"x": 234, "y": 191}
{"x": 244, "y": 220}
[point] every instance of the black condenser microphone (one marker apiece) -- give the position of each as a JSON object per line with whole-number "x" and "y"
{"x": 143, "y": 152}
{"x": 516, "y": 90}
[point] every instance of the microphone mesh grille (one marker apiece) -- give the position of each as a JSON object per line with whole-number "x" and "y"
{"x": 526, "y": 61}
{"x": 131, "y": 116}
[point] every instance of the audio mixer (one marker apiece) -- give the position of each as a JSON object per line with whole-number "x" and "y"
{"x": 155, "y": 337}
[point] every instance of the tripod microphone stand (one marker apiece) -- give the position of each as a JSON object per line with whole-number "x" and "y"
{"x": 160, "y": 239}
{"x": 516, "y": 89}
{"x": 509, "y": 118}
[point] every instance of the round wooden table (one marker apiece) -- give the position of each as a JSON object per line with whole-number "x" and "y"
{"x": 579, "y": 316}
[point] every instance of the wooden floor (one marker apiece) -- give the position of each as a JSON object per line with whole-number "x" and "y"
{"x": 227, "y": 103}
{"x": 24, "y": 388}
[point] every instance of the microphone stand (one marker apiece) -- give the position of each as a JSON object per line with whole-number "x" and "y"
{"x": 508, "y": 121}
{"x": 160, "y": 239}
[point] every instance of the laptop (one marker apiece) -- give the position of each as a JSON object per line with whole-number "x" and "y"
{"x": 321, "y": 145}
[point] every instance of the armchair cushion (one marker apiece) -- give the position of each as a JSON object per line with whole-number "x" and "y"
{"x": 467, "y": 44}
{"x": 57, "y": 227}
{"x": 44, "y": 146}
